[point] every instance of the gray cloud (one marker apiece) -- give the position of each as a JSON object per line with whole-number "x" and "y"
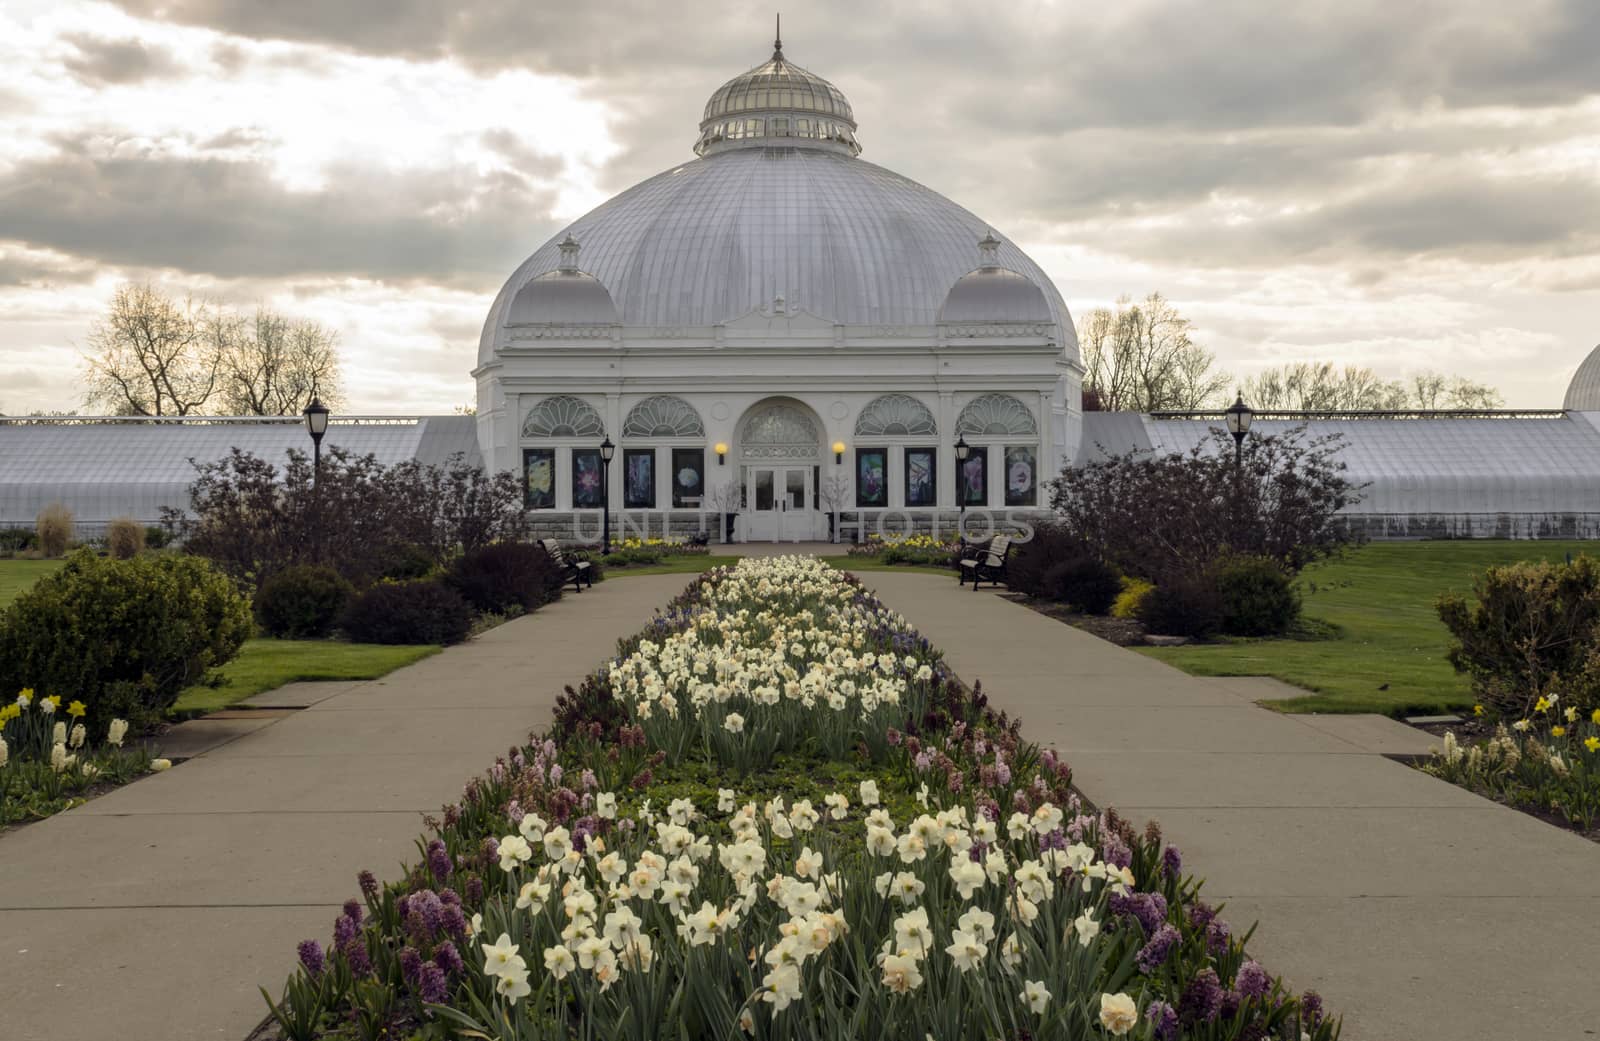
{"x": 19, "y": 268}
{"x": 102, "y": 61}
{"x": 449, "y": 226}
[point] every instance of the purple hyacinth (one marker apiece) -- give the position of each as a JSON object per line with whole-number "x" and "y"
{"x": 474, "y": 890}
{"x": 344, "y": 930}
{"x": 1149, "y": 908}
{"x": 354, "y": 910}
{"x": 1202, "y": 998}
{"x": 454, "y": 922}
{"x": 432, "y": 984}
{"x": 1252, "y": 980}
{"x": 368, "y": 883}
{"x": 490, "y": 850}
{"x": 1153, "y": 955}
{"x": 439, "y": 860}
{"x": 1217, "y": 934}
{"x": 311, "y": 958}
{"x": 360, "y": 961}
{"x": 1114, "y": 851}
{"x": 555, "y": 774}
{"x": 1163, "y": 1020}
{"x": 448, "y": 896}
{"x": 1171, "y": 862}
{"x": 410, "y": 966}
{"x": 587, "y": 781}
{"x": 448, "y": 958}
{"x": 1310, "y": 1009}
{"x": 1002, "y": 772}
{"x": 922, "y": 761}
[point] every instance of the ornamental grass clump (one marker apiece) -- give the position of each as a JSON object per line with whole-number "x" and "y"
{"x": 615, "y": 879}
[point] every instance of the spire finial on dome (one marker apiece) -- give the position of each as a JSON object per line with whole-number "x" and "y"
{"x": 569, "y": 254}
{"x": 988, "y": 250}
{"x": 777, "y": 38}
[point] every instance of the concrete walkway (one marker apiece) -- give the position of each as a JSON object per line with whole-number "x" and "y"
{"x": 1417, "y": 909}
{"x": 153, "y": 913}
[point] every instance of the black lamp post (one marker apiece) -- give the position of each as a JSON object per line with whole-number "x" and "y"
{"x": 1239, "y": 416}
{"x": 316, "y": 415}
{"x": 607, "y": 450}
{"x": 962, "y": 449}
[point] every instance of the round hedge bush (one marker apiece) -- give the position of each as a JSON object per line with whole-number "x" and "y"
{"x": 496, "y": 578}
{"x": 414, "y": 612}
{"x": 1182, "y": 606}
{"x": 123, "y": 636}
{"x": 302, "y": 602}
{"x": 1085, "y": 583}
{"x": 1258, "y": 599}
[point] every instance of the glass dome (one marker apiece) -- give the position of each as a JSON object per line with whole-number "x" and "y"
{"x": 777, "y": 104}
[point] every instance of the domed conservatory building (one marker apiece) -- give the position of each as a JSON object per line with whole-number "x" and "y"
{"x": 778, "y": 329}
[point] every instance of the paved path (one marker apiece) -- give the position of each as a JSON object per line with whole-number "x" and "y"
{"x": 153, "y": 913}
{"x": 1419, "y": 910}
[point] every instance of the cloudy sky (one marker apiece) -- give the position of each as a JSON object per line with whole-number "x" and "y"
{"x": 1404, "y": 186}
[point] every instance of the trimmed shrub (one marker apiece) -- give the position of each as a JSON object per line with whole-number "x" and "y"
{"x": 54, "y": 526}
{"x": 407, "y": 560}
{"x": 1182, "y": 606}
{"x": 496, "y": 578}
{"x": 157, "y": 537}
{"x": 418, "y": 611}
{"x": 124, "y": 538}
{"x": 1258, "y": 598}
{"x": 15, "y": 540}
{"x": 1126, "y": 604}
{"x": 1030, "y": 561}
{"x": 1087, "y": 584}
{"x": 123, "y": 636}
{"x": 1528, "y": 631}
{"x": 302, "y": 602}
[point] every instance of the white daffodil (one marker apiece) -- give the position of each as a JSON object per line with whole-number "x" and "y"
{"x": 1118, "y": 1014}
{"x": 1035, "y": 996}
{"x": 514, "y": 851}
{"x": 1087, "y": 926}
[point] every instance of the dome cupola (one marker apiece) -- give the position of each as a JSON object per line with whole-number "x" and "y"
{"x": 1583, "y": 393}
{"x": 777, "y": 105}
{"x": 992, "y": 293}
{"x": 565, "y": 296}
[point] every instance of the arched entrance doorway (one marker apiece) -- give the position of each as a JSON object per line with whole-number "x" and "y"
{"x": 780, "y": 455}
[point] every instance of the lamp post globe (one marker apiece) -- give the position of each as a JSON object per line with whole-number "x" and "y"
{"x": 316, "y": 420}
{"x": 607, "y": 450}
{"x": 1238, "y": 417}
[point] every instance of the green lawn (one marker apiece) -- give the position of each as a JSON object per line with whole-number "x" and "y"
{"x": 1380, "y": 598}
{"x": 265, "y": 663}
{"x": 674, "y": 564}
{"x": 17, "y": 575}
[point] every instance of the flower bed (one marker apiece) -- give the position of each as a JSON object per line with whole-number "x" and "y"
{"x": 1548, "y": 764}
{"x": 924, "y": 550}
{"x": 776, "y": 814}
{"x": 48, "y": 762}
{"x": 629, "y": 552}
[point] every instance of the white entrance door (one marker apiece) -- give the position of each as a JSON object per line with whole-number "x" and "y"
{"x": 782, "y": 503}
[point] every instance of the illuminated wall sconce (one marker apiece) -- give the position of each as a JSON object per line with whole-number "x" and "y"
{"x": 838, "y": 452}
{"x": 722, "y": 453}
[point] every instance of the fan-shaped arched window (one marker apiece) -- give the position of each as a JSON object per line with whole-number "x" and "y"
{"x": 663, "y": 416}
{"x": 895, "y": 415}
{"x": 563, "y": 416}
{"x": 996, "y": 414}
{"x": 780, "y": 431}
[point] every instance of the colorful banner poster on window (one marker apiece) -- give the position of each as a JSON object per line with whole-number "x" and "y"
{"x": 921, "y": 477}
{"x": 975, "y": 477}
{"x": 872, "y": 477}
{"x": 586, "y": 490}
{"x": 639, "y": 478}
{"x": 539, "y": 478}
{"x": 1021, "y": 477}
{"x": 688, "y": 477}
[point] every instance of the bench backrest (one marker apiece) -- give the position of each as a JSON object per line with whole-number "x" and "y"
{"x": 553, "y": 547}
{"x": 998, "y": 547}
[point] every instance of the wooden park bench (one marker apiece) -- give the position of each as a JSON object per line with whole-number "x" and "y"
{"x": 988, "y": 562}
{"x": 573, "y": 567}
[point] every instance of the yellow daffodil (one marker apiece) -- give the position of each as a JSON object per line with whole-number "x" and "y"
{"x": 76, "y": 709}
{"x": 1541, "y": 705}
{"x": 1595, "y": 718}
{"x": 1571, "y": 714}
{"x": 1592, "y": 744}
{"x": 1477, "y": 710}
{"x": 1558, "y": 731}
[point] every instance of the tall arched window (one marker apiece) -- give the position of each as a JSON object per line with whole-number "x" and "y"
{"x": 895, "y": 415}
{"x": 996, "y": 415}
{"x": 663, "y": 416}
{"x": 563, "y": 416}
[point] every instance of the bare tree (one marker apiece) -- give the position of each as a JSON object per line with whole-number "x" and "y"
{"x": 149, "y": 356}
{"x": 1319, "y": 386}
{"x": 273, "y": 365}
{"x": 1140, "y": 358}
{"x": 834, "y": 492}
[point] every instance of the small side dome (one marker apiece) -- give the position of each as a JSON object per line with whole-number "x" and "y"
{"x": 993, "y": 293}
{"x": 565, "y": 296}
{"x": 1583, "y": 393}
